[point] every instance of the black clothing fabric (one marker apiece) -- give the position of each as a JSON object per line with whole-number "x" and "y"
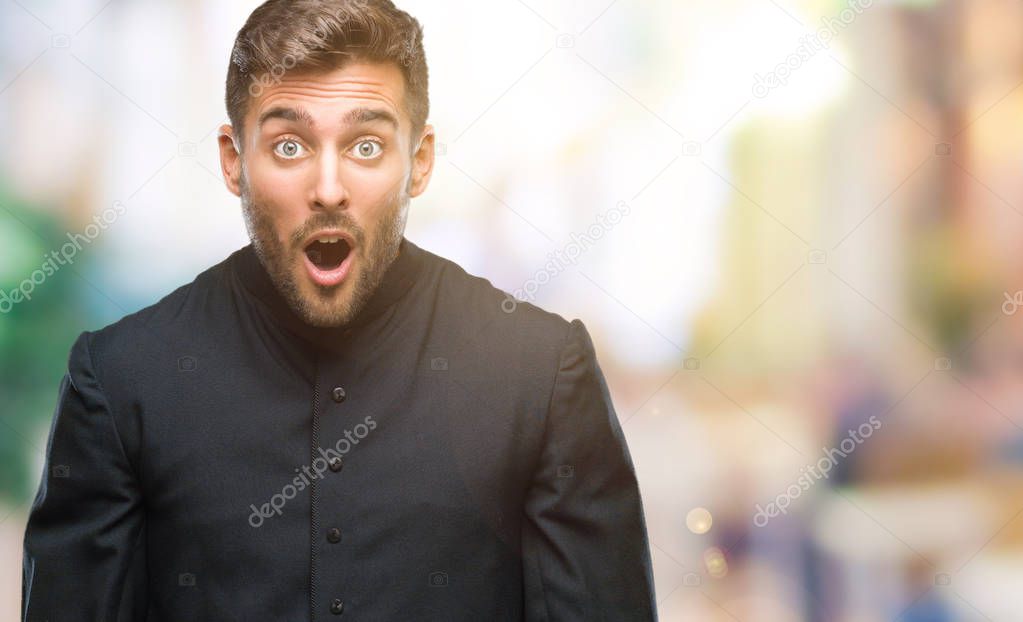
{"x": 448, "y": 455}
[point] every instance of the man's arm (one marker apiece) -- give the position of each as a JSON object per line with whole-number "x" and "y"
{"x": 585, "y": 551}
{"x": 87, "y": 518}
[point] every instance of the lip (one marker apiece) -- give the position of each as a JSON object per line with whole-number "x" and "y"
{"x": 329, "y": 278}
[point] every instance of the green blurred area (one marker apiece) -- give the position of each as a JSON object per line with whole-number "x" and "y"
{"x": 35, "y": 337}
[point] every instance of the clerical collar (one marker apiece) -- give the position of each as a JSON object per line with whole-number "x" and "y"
{"x": 397, "y": 280}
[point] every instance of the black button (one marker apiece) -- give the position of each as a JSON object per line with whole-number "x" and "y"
{"x": 335, "y": 464}
{"x": 339, "y": 394}
{"x": 337, "y": 606}
{"x": 333, "y": 535}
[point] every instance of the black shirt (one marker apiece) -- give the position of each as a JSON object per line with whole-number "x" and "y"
{"x": 450, "y": 454}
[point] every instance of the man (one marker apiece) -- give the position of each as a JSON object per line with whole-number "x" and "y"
{"x": 333, "y": 422}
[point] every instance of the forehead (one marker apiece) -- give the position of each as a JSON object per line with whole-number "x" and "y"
{"x": 328, "y": 95}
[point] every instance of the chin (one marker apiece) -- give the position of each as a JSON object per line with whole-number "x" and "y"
{"x": 323, "y": 307}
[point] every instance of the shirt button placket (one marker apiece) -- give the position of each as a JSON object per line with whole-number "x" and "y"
{"x": 338, "y": 394}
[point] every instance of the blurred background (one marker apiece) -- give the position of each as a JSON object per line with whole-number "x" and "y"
{"x": 794, "y": 235}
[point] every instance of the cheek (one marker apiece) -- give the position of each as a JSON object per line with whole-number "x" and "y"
{"x": 376, "y": 189}
{"x": 279, "y": 193}
{"x": 279, "y": 185}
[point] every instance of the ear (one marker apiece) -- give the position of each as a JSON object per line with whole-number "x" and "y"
{"x": 230, "y": 159}
{"x": 422, "y": 163}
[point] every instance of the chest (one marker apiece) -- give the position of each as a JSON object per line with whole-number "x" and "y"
{"x": 414, "y": 443}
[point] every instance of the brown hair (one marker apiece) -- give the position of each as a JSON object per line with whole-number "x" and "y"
{"x": 321, "y": 35}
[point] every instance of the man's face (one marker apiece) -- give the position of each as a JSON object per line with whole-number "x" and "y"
{"x": 325, "y": 176}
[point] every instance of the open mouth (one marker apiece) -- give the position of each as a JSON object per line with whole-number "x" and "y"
{"x": 328, "y": 253}
{"x": 328, "y": 258}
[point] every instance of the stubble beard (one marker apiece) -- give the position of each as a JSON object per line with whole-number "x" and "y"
{"x": 284, "y": 264}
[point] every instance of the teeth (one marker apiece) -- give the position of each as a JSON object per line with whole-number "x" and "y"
{"x": 330, "y": 240}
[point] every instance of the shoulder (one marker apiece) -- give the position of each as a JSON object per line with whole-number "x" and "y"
{"x": 111, "y": 368}
{"x": 127, "y": 346}
{"x": 495, "y": 323}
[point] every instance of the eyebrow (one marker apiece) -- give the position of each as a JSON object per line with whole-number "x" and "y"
{"x": 356, "y": 116}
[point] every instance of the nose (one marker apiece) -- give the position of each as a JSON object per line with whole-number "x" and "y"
{"x": 329, "y": 192}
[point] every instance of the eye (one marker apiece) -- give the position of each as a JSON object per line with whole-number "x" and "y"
{"x": 368, "y": 149}
{"x": 288, "y": 149}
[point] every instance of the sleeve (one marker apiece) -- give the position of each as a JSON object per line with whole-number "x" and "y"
{"x": 585, "y": 550}
{"x": 83, "y": 541}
